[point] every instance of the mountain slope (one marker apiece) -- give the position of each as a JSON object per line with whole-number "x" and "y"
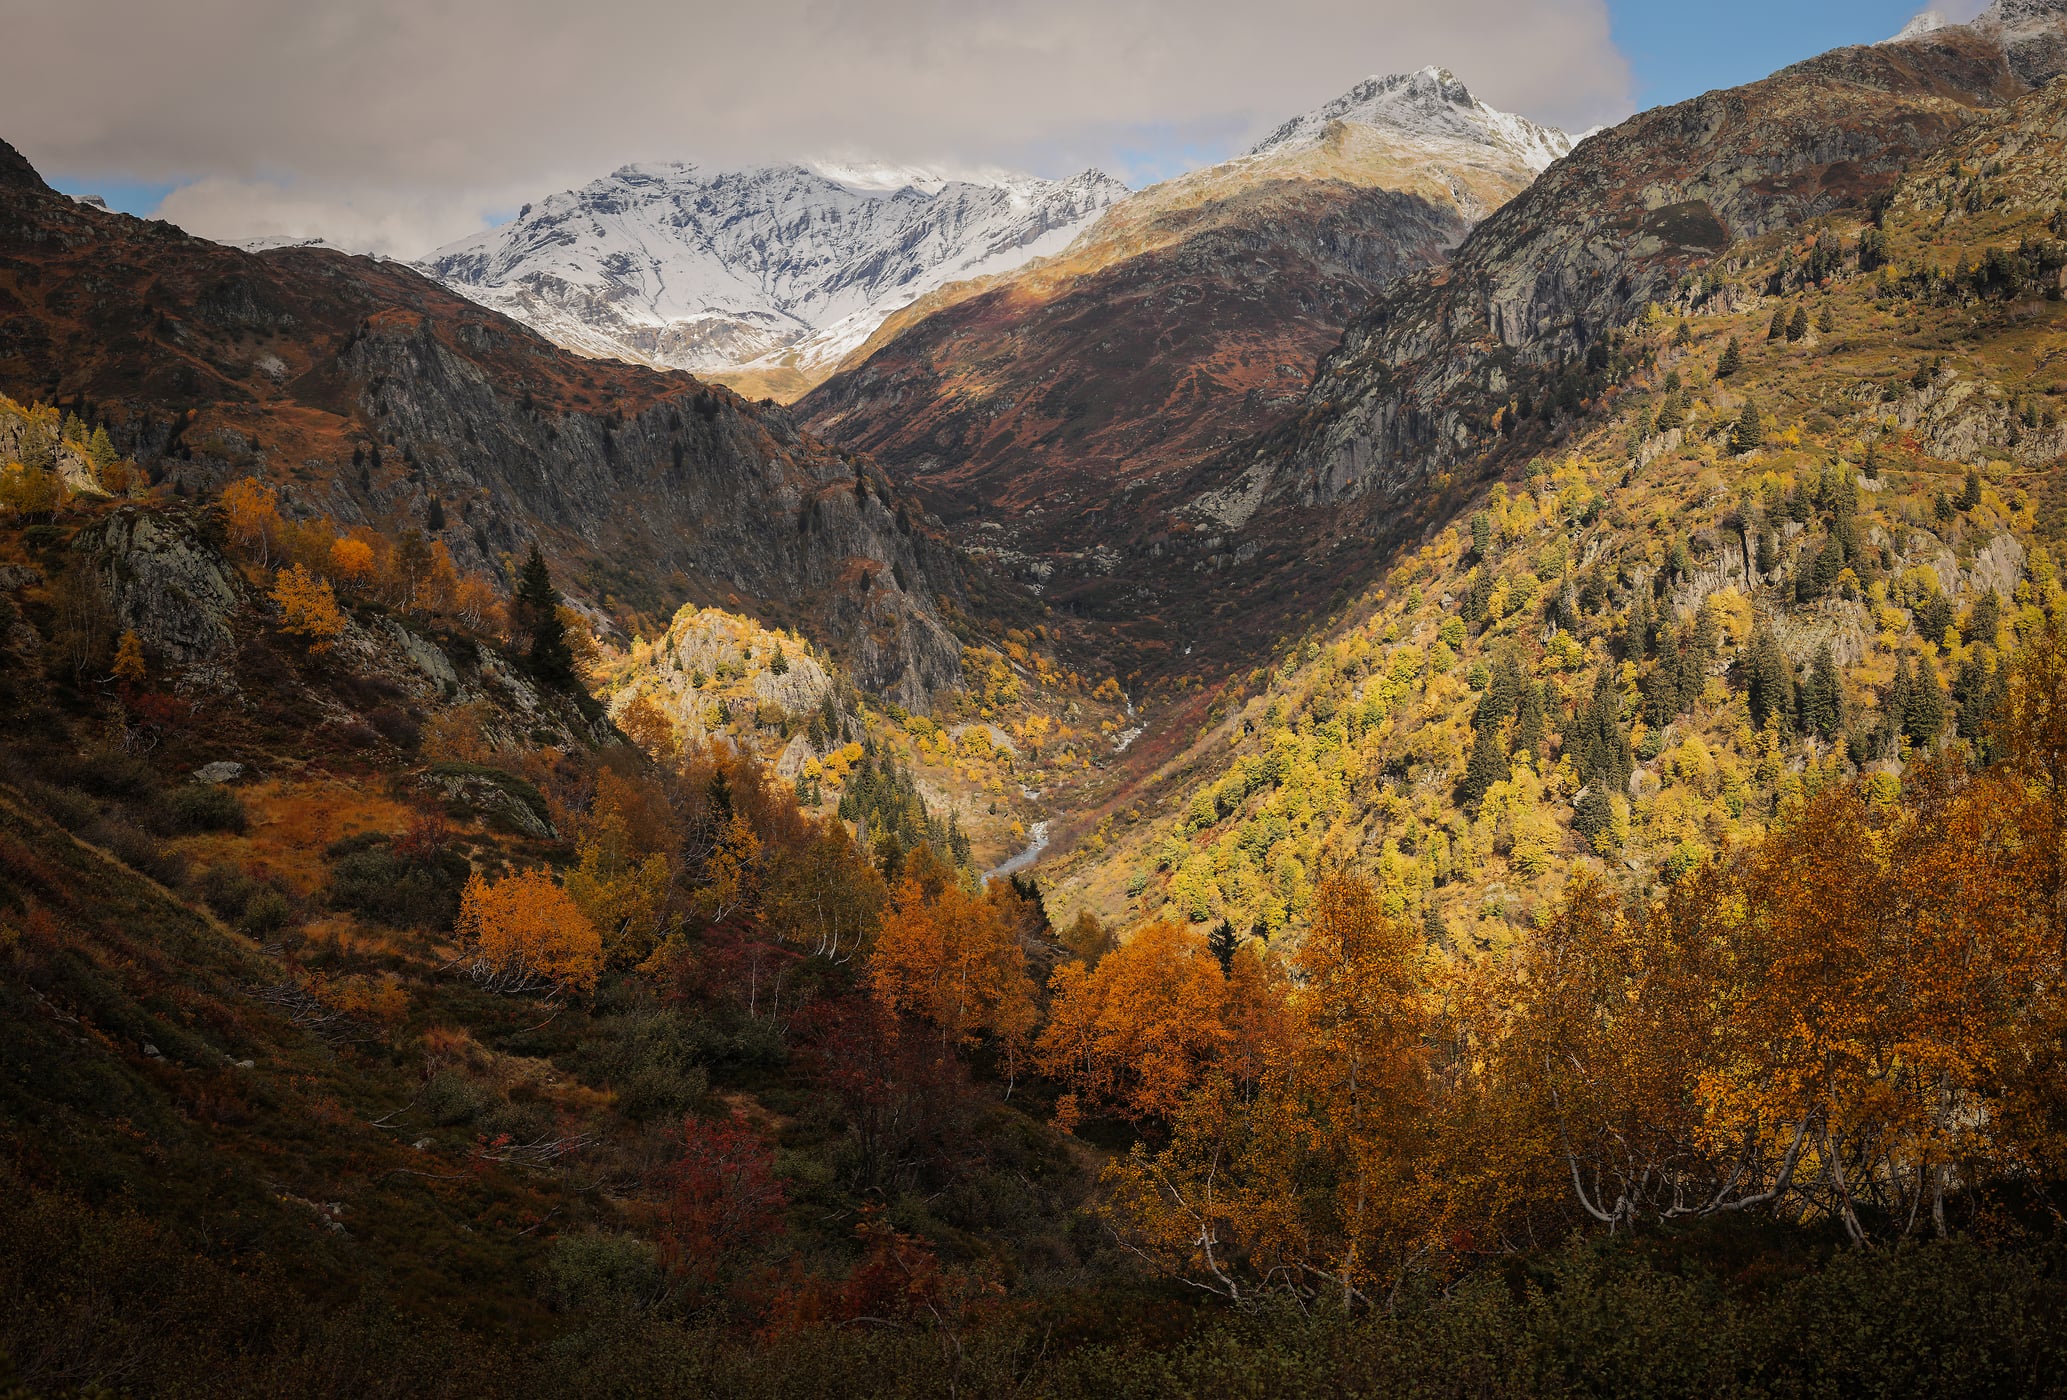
{"x": 1051, "y": 415}
{"x": 776, "y": 268}
{"x": 1623, "y": 224}
{"x": 369, "y": 394}
{"x": 1757, "y": 605}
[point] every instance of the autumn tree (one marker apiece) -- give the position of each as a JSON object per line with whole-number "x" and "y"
{"x": 308, "y": 609}
{"x": 526, "y": 933}
{"x": 1135, "y": 1033}
{"x": 251, "y": 513}
{"x": 946, "y": 957}
{"x": 620, "y": 889}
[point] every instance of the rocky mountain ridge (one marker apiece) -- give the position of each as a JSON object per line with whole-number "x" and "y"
{"x": 1050, "y": 414}
{"x": 761, "y": 270}
{"x": 370, "y": 395}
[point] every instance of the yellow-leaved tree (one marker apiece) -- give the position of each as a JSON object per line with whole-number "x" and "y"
{"x": 308, "y": 609}
{"x": 526, "y": 933}
{"x": 1134, "y": 1034}
{"x": 621, "y": 889}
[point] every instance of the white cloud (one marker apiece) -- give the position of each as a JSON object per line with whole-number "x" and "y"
{"x": 395, "y": 123}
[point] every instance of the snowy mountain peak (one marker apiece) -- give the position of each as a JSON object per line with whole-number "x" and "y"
{"x": 1429, "y": 105}
{"x": 1925, "y": 22}
{"x": 674, "y": 265}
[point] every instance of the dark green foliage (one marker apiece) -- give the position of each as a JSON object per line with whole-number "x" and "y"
{"x": 1934, "y": 617}
{"x": 536, "y": 611}
{"x": 648, "y": 1056}
{"x": 1923, "y": 707}
{"x": 1822, "y": 698}
{"x": 1637, "y": 627}
{"x": 1731, "y": 361}
{"x": 1486, "y": 766}
{"x": 1979, "y": 694}
{"x": 1970, "y": 495}
{"x": 1984, "y": 620}
{"x": 1749, "y": 431}
{"x": 1593, "y": 814}
{"x": 1672, "y": 413}
{"x": 1479, "y": 596}
{"x": 402, "y": 884}
{"x": 1598, "y": 738}
{"x": 1222, "y": 942}
{"x": 1768, "y": 550}
{"x": 1798, "y": 324}
{"x": 1776, "y": 329}
{"x": 1529, "y": 715}
{"x": 1481, "y": 535}
{"x": 199, "y": 807}
{"x": 883, "y": 801}
{"x": 1496, "y": 704}
{"x": 1769, "y": 679}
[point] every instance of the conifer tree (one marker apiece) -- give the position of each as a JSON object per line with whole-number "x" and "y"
{"x": 1971, "y": 496}
{"x": 1822, "y": 697}
{"x": 1778, "y": 326}
{"x": 1750, "y": 430}
{"x": 1771, "y": 680}
{"x": 1637, "y": 627}
{"x": 1798, "y": 325}
{"x": 1731, "y": 359}
{"x": 536, "y": 611}
{"x": 1601, "y": 743}
{"x": 1923, "y": 715}
{"x": 1222, "y": 942}
{"x": 1486, "y": 766}
{"x": 1529, "y": 733}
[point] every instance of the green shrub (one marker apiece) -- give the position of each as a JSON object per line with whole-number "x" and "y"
{"x": 199, "y": 807}
{"x": 650, "y": 1058}
{"x": 370, "y": 878}
{"x": 598, "y": 1271}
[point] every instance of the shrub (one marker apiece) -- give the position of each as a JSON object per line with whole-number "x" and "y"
{"x": 200, "y": 807}
{"x": 370, "y": 878}
{"x": 396, "y": 727}
{"x": 598, "y": 1271}
{"x": 449, "y": 1099}
{"x": 649, "y": 1057}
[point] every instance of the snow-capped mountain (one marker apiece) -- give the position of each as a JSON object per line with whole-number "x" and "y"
{"x": 1427, "y": 107}
{"x": 780, "y": 268}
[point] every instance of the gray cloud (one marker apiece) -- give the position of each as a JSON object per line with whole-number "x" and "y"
{"x": 399, "y": 124}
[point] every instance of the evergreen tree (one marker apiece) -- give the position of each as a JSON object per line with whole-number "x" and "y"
{"x": 1502, "y": 690}
{"x": 1923, "y": 716}
{"x": 1636, "y": 628}
{"x": 1985, "y": 619}
{"x": 1593, "y": 814}
{"x": 1770, "y": 689}
{"x": 1826, "y": 321}
{"x": 1601, "y": 744}
{"x": 1894, "y": 701}
{"x": 1479, "y": 596}
{"x": 1222, "y": 942}
{"x": 1529, "y": 732}
{"x": 1750, "y": 430}
{"x": 1798, "y": 326}
{"x": 1971, "y": 496}
{"x": 1979, "y": 694}
{"x": 434, "y": 516}
{"x": 1672, "y": 413}
{"x": 1481, "y": 535}
{"x": 1768, "y": 550}
{"x": 1486, "y": 766}
{"x": 1822, "y": 697}
{"x": 1697, "y": 658}
{"x": 1778, "y": 326}
{"x": 1731, "y": 359}
{"x": 536, "y": 609}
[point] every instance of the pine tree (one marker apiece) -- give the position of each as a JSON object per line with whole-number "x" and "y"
{"x": 1894, "y": 701}
{"x": 434, "y": 516}
{"x": 1481, "y": 535}
{"x": 1778, "y": 327}
{"x": 1750, "y": 430}
{"x": 1698, "y": 658}
{"x": 1798, "y": 326}
{"x": 1222, "y": 942}
{"x": 1529, "y": 733}
{"x": 1768, "y": 550}
{"x": 1771, "y": 680}
{"x": 536, "y": 611}
{"x": 1672, "y": 413}
{"x": 1731, "y": 359}
{"x": 1637, "y": 627}
{"x": 1822, "y": 697}
{"x": 1971, "y": 496}
{"x": 1923, "y": 717}
{"x": 1486, "y": 766}
{"x": 1601, "y": 743}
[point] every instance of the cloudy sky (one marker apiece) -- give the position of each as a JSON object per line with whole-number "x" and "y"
{"x": 399, "y": 125}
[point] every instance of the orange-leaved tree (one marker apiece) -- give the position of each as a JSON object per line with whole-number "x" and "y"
{"x": 308, "y": 609}
{"x": 526, "y": 933}
{"x": 946, "y": 957}
{"x": 1135, "y": 1033}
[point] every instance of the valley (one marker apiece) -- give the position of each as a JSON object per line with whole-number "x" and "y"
{"x": 1427, "y": 760}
